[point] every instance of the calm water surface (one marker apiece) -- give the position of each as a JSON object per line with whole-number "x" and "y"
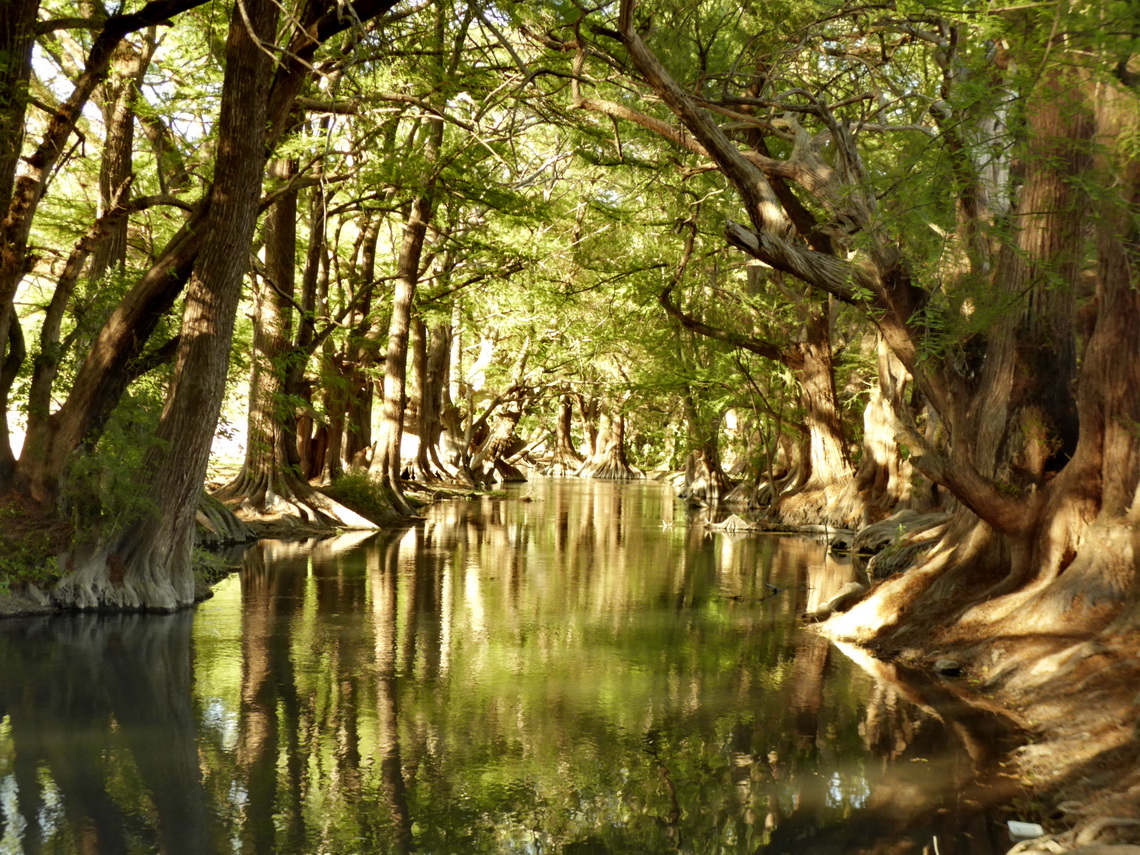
{"x": 577, "y": 668}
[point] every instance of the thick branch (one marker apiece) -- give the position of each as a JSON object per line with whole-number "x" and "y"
{"x": 761, "y": 348}
{"x": 852, "y": 282}
{"x": 763, "y": 206}
{"x": 320, "y": 22}
{"x": 1010, "y": 514}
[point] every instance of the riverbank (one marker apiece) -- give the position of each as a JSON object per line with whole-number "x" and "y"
{"x": 1077, "y": 700}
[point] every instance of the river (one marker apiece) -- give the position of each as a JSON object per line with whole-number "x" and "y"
{"x": 579, "y": 667}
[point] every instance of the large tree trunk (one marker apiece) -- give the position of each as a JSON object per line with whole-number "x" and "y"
{"x": 151, "y": 567}
{"x": 431, "y": 351}
{"x": 828, "y": 455}
{"x": 386, "y": 461}
{"x": 361, "y": 356}
{"x": 705, "y": 480}
{"x": 17, "y": 36}
{"x": 120, "y": 91}
{"x": 114, "y": 359}
{"x": 297, "y": 382}
{"x": 489, "y": 461}
{"x": 21, "y": 193}
{"x": 608, "y": 460}
{"x": 1056, "y": 544}
{"x": 564, "y": 459}
{"x": 269, "y": 491}
{"x": 821, "y": 493}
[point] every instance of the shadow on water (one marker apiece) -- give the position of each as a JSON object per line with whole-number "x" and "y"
{"x": 581, "y": 672}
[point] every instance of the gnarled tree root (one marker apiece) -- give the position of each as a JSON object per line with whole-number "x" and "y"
{"x": 271, "y": 503}
{"x": 609, "y": 469}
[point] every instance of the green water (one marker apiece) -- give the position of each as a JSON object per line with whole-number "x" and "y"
{"x": 578, "y": 668}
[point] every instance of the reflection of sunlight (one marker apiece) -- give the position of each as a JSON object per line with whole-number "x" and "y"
{"x": 13, "y": 823}
{"x": 445, "y": 619}
{"x": 222, "y": 721}
{"x": 51, "y": 814}
{"x": 853, "y": 793}
{"x": 473, "y": 598}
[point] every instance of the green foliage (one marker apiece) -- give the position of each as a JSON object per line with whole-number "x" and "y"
{"x": 30, "y": 545}
{"x": 100, "y": 493}
{"x": 359, "y": 493}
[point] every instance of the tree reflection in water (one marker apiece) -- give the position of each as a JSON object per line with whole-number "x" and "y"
{"x": 557, "y": 675}
{"x": 99, "y": 737}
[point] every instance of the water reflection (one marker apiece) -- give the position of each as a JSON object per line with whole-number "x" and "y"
{"x": 575, "y": 671}
{"x": 98, "y": 737}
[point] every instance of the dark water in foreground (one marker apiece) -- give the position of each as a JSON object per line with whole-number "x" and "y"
{"x": 580, "y": 673}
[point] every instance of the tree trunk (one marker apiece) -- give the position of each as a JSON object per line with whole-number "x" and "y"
{"x": 489, "y": 462}
{"x": 1056, "y": 546}
{"x": 414, "y": 412}
{"x": 822, "y": 491}
{"x": 22, "y": 189}
{"x": 827, "y": 460}
{"x": 120, "y": 91}
{"x": 386, "y": 461}
{"x": 565, "y": 459}
{"x": 361, "y": 356}
{"x": 17, "y": 36}
{"x": 608, "y": 460}
{"x": 269, "y": 492}
{"x": 705, "y": 480}
{"x": 151, "y": 567}
{"x": 432, "y": 352}
{"x": 885, "y": 481}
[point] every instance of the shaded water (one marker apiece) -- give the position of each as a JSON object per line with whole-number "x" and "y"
{"x": 581, "y": 672}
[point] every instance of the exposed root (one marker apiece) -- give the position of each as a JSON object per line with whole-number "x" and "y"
{"x": 929, "y": 594}
{"x": 508, "y": 473}
{"x": 704, "y": 484}
{"x": 1091, "y": 591}
{"x": 218, "y": 525}
{"x": 563, "y": 463}
{"x": 100, "y": 579}
{"x": 899, "y": 542}
{"x": 279, "y": 501}
{"x": 838, "y": 505}
{"x": 609, "y": 469}
{"x": 760, "y": 493}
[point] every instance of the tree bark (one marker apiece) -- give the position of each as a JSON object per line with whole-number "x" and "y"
{"x": 386, "y": 463}
{"x": 106, "y": 370}
{"x": 828, "y": 449}
{"x": 17, "y": 36}
{"x": 120, "y": 92}
{"x": 564, "y": 459}
{"x": 1056, "y": 546}
{"x": 608, "y": 460}
{"x": 151, "y": 566}
{"x": 705, "y": 479}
